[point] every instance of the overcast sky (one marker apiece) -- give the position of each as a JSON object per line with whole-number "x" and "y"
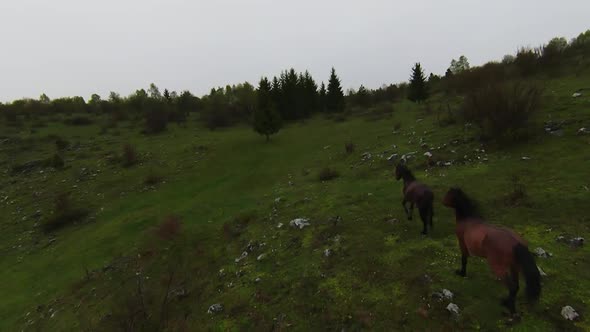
{"x": 80, "y": 47}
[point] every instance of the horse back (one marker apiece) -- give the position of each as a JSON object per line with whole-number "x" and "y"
{"x": 499, "y": 245}
{"x": 418, "y": 192}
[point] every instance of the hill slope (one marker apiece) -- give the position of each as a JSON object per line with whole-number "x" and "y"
{"x": 368, "y": 269}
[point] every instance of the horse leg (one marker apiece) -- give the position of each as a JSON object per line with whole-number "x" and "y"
{"x": 424, "y": 216}
{"x": 409, "y": 211}
{"x": 511, "y": 282}
{"x": 464, "y": 254}
{"x": 463, "y": 271}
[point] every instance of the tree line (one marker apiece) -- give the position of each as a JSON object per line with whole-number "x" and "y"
{"x": 293, "y": 96}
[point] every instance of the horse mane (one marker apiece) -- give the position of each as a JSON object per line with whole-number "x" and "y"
{"x": 405, "y": 172}
{"x": 464, "y": 206}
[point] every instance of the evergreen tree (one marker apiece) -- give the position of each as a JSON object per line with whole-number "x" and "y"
{"x": 417, "y": 89}
{"x": 363, "y": 98}
{"x": 267, "y": 121}
{"x": 334, "y": 96}
{"x": 449, "y": 73}
{"x": 309, "y": 94}
{"x": 167, "y": 95}
{"x": 322, "y": 98}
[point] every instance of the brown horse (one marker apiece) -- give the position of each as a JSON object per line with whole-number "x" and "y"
{"x": 506, "y": 252}
{"x": 416, "y": 193}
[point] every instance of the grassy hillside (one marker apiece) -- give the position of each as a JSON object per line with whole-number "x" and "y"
{"x": 368, "y": 269}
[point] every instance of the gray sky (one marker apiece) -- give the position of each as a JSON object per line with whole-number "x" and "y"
{"x": 80, "y": 47}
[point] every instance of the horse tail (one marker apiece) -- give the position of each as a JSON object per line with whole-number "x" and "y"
{"x": 531, "y": 271}
{"x": 426, "y": 208}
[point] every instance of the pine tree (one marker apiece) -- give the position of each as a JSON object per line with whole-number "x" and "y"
{"x": 322, "y": 98}
{"x": 334, "y": 96}
{"x": 417, "y": 89}
{"x": 309, "y": 94}
{"x": 267, "y": 121}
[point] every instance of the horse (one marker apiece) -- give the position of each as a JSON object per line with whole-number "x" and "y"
{"x": 416, "y": 193}
{"x": 506, "y": 252}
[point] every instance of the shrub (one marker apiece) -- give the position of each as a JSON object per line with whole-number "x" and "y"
{"x": 129, "y": 157}
{"x": 379, "y": 111}
{"x": 78, "y": 121}
{"x": 152, "y": 179}
{"x": 327, "y": 174}
{"x": 169, "y": 228}
{"x": 502, "y": 111}
{"x": 63, "y": 213}
{"x": 445, "y": 115}
{"x": 56, "y": 162}
{"x": 527, "y": 61}
{"x": 61, "y": 144}
{"x": 349, "y": 147}
{"x": 235, "y": 228}
{"x": 156, "y": 117}
{"x": 38, "y": 123}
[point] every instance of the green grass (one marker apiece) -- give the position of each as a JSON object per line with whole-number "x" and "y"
{"x": 375, "y": 275}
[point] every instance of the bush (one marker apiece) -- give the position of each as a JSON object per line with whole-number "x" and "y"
{"x": 61, "y": 144}
{"x": 63, "y": 213}
{"x": 518, "y": 195}
{"x": 527, "y": 61}
{"x": 129, "y": 157}
{"x": 445, "y": 115}
{"x": 56, "y": 162}
{"x": 502, "y": 111}
{"x": 235, "y": 228}
{"x": 349, "y": 147}
{"x": 380, "y": 111}
{"x": 169, "y": 228}
{"x": 328, "y": 174}
{"x": 78, "y": 121}
{"x": 152, "y": 179}
{"x": 156, "y": 117}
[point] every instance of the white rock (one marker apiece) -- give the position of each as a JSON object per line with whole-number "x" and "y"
{"x": 577, "y": 94}
{"x": 260, "y": 257}
{"x": 242, "y": 257}
{"x": 577, "y": 242}
{"x": 278, "y": 199}
{"x": 215, "y": 308}
{"x": 280, "y": 225}
{"x": 569, "y": 313}
{"x": 583, "y": 131}
{"x": 541, "y": 272}
{"x": 447, "y": 294}
{"x": 428, "y": 154}
{"x": 525, "y": 158}
{"x": 453, "y": 308}
{"x": 540, "y": 252}
{"x": 300, "y": 223}
{"x": 327, "y": 252}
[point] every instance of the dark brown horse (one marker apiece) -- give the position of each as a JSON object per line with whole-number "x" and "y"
{"x": 506, "y": 252}
{"x": 416, "y": 193}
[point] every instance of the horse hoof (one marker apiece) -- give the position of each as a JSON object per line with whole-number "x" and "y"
{"x": 460, "y": 273}
{"x": 424, "y": 233}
